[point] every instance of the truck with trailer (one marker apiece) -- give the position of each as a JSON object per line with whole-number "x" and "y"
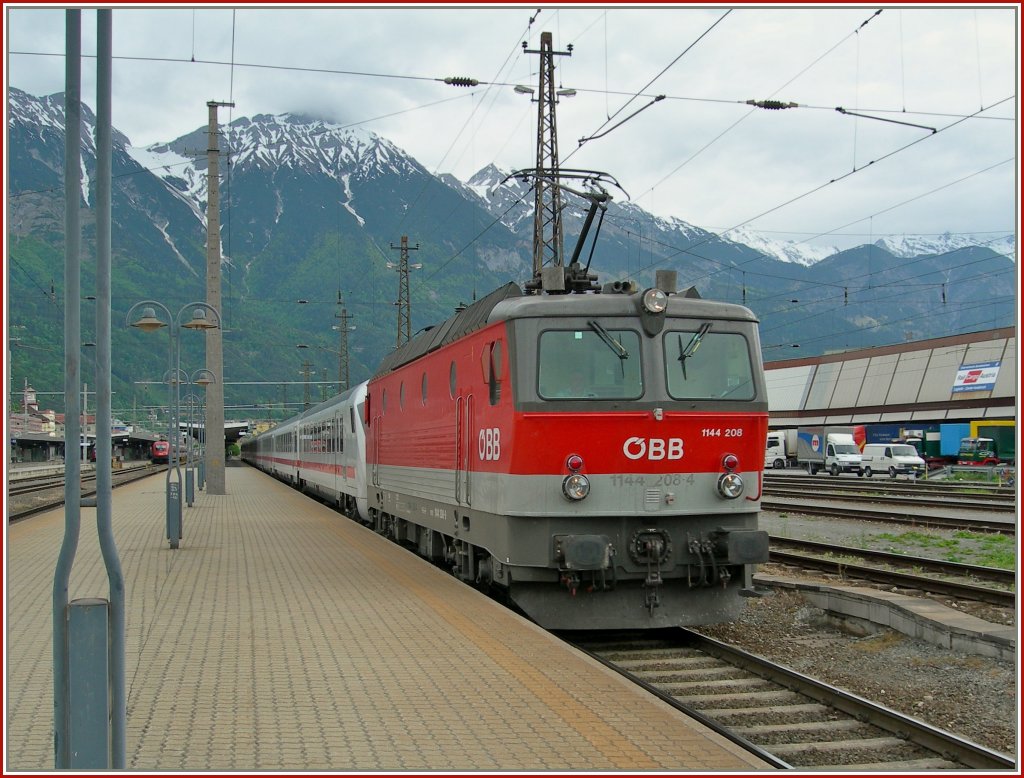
{"x": 780, "y": 449}
{"x": 833, "y": 449}
{"x": 1003, "y": 435}
{"x": 994, "y": 445}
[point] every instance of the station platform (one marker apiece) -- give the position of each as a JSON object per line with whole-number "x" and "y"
{"x": 283, "y": 636}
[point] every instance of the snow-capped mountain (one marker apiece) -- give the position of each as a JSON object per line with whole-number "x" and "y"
{"x": 916, "y": 245}
{"x": 784, "y": 251}
{"x": 276, "y": 143}
{"x": 312, "y": 210}
{"x": 42, "y": 119}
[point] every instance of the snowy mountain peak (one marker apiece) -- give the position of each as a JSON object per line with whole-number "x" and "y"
{"x": 784, "y": 251}
{"x": 916, "y": 245}
{"x": 287, "y": 141}
{"x": 307, "y": 143}
{"x": 43, "y": 114}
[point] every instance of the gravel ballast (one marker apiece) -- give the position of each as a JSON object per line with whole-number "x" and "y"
{"x": 970, "y": 696}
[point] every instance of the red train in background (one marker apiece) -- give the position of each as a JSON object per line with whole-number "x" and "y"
{"x": 159, "y": 451}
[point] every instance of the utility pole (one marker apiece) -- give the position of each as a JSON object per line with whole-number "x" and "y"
{"x": 343, "y": 330}
{"x": 403, "y": 288}
{"x": 547, "y": 220}
{"x": 215, "y": 480}
{"x": 307, "y": 368}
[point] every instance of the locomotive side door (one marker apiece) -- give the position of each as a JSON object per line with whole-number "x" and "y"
{"x": 375, "y": 466}
{"x": 463, "y": 449}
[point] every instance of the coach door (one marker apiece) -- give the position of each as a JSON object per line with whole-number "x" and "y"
{"x": 463, "y": 449}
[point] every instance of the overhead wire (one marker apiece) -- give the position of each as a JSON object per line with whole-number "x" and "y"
{"x": 664, "y": 70}
{"x": 839, "y": 178}
{"x": 746, "y": 116}
{"x": 912, "y": 199}
{"x": 424, "y": 78}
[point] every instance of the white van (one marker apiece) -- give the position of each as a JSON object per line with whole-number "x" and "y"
{"x": 894, "y": 457}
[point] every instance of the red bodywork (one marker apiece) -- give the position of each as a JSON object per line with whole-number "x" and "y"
{"x": 464, "y": 431}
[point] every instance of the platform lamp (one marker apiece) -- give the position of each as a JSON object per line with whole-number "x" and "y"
{"x": 149, "y": 322}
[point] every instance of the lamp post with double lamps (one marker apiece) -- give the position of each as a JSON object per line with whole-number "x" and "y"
{"x": 148, "y": 322}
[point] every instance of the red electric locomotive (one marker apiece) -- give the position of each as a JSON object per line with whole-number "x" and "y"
{"x": 597, "y": 457}
{"x": 159, "y": 451}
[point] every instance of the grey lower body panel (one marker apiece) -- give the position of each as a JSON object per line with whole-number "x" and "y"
{"x": 624, "y": 607}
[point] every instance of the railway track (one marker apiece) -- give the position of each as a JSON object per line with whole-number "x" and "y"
{"x": 895, "y": 515}
{"x": 883, "y": 481}
{"x": 809, "y": 555}
{"x": 988, "y": 503}
{"x": 32, "y": 496}
{"x": 789, "y": 719}
{"x": 976, "y": 490}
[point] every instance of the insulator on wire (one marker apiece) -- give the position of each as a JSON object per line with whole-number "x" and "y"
{"x": 771, "y": 105}
{"x": 461, "y": 81}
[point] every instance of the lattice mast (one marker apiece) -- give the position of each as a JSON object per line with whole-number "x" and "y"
{"x": 403, "y": 267}
{"x": 547, "y": 229}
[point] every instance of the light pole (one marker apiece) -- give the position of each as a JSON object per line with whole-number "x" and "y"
{"x": 190, "y": 492}
{"x": 204, "y": 378}
{"x": 149, "y": 322}
{"x": 174, "y": 379}
{"x": 202, "y": 444}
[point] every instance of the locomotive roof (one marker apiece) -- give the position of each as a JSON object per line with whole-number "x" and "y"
{"x": 509, "y": 302}
{"x": 472, "y": 317}
{"x": 616, "y": 304}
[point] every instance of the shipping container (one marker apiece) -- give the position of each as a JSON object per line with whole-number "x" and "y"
{"x": 950, "y": 437}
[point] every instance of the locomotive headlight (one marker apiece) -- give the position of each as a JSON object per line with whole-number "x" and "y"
{"x": 655, "y": 301}
{"x": 730, "y": 485}
{"x": 576, "y": 486}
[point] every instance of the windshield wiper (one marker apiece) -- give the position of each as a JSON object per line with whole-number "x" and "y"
{"x": 614, "y": 345}
{"x": 692, "y": 346}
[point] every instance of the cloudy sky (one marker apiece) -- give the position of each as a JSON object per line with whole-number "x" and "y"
{"x": 701, "y": 154}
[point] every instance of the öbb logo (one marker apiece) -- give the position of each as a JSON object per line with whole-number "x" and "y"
{"x": 653, "y": 448}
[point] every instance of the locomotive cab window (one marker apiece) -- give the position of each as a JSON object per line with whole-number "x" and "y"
{"x": 706, "y": 365}
{"x": 594, "y": 362}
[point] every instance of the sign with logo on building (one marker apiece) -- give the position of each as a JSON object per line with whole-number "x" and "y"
{"x": 980, "y": 377}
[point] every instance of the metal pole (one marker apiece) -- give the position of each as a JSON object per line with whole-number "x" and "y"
{"x": 176, "y": 493}
{"x": 72, "y": 366}
{"x": 202, "y": 447}
{"x": 104, "y": 501}
{"x": 189, "y": 459}
{"x": 83, "y": 441}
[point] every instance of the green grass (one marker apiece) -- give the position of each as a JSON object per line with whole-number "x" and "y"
{"x": 965, "y": 547}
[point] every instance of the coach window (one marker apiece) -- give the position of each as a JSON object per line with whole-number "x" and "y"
{"x": 401, "y": 395}
{"x": 383, "y": 402}
{"x": 592, "y": 362}
{"x": 423, "y": 389}
{"x": 451, "y": 379}
{"x": 706, "y": 365}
